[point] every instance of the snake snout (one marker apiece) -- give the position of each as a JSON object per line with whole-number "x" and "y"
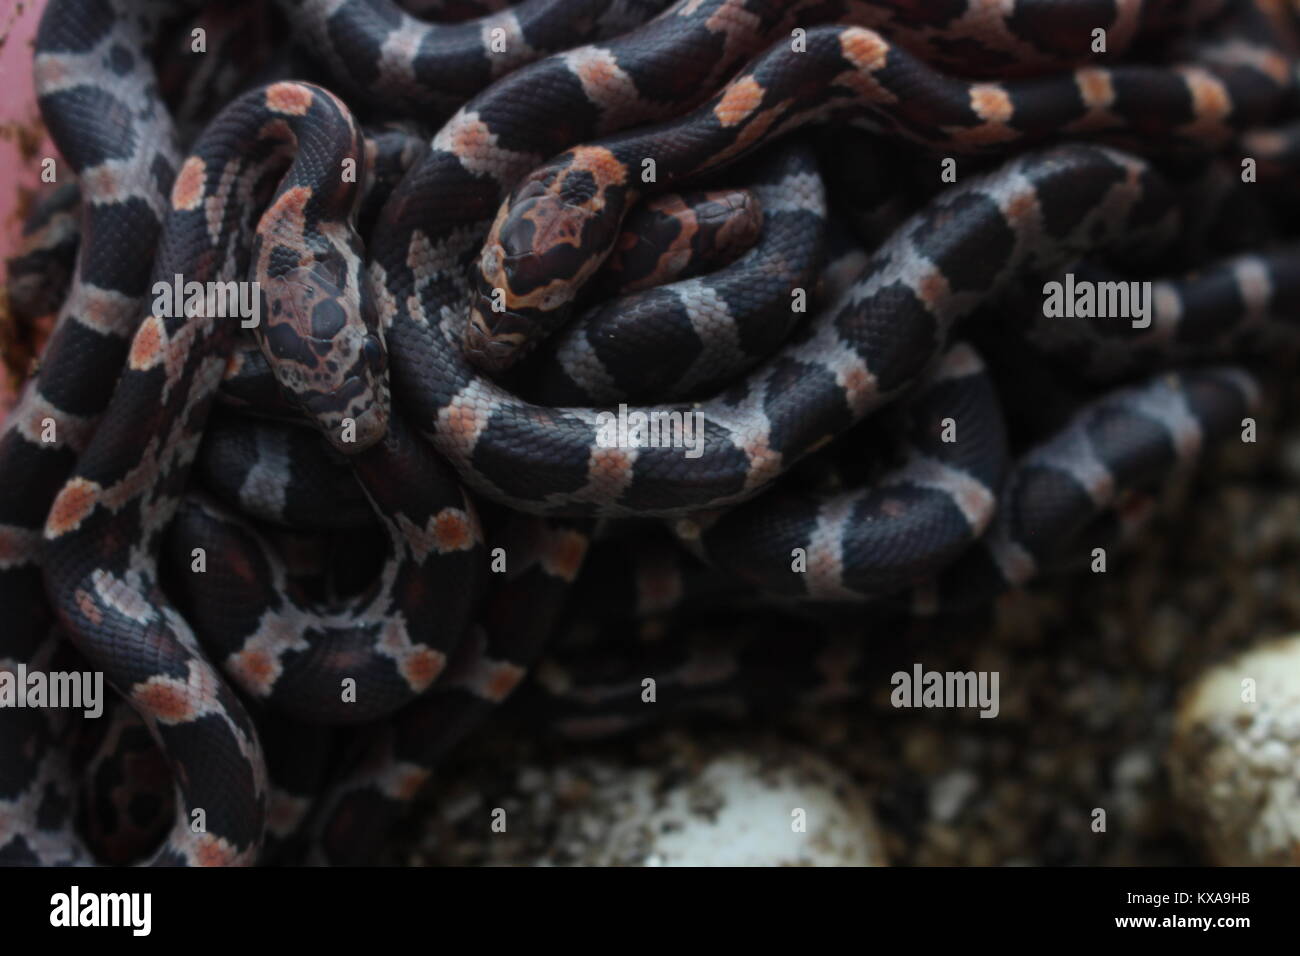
{"x": 370, "y": 427}
{"x": 348, "y": 425}
{"x": 494, "y": 341}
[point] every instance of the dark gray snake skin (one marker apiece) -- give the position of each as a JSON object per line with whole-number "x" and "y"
{"x": 395, "y": 479}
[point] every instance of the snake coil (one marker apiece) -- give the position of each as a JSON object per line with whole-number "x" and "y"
{"x": 540, "y": 277}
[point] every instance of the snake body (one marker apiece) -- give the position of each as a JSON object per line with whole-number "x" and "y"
{"x": 124, "y": 485}
{"x": 633, "y": 347}
{"x": 520, "y": 229}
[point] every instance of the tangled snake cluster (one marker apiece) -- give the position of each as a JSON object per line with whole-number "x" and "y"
{"x": 574, "y": 315}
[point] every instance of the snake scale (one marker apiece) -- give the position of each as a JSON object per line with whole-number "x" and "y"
{"x": 493, "y": 244}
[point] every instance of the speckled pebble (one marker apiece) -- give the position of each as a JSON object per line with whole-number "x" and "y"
{"x": 788, "y": 808}
{"x": 1235, "y": 758}
{"x": 700, "y": 804}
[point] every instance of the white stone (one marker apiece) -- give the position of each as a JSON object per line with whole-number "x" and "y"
{"x": 1235, "y": 764}
{"x": 733, "y": 808}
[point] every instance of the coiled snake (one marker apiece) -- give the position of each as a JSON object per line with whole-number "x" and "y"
{"x": 616, "y": 201}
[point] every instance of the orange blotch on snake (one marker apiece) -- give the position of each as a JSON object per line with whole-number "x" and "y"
{"x": 75, "y": 502}
{"x": 88, "y": 608}
{"x": 1273, "y": 64}
{"x": 597, "y": 71}
{"x": 213, "y": 851}
{"x": 463, "y": 422}
{"x": 453, "y": 531}
{"x": 1266, "y": 143}
{"x": 977, "y": 503}
{"x": 503, "y": 679}
{"x": 187, "y": 192}
{"x": 234, "y": 364}
{"x": 603, "y": 165}
{"x": 256, "y": 668}
{"x": 865, "y": 49}
{"x": 16, "y": 547}
{"x": 165, "y": 700}
{"x": 291, "y": 98}
{"x": 1095, "y": 87}
{"x": 611, "y": 463}
{"x": 564, "y": 556}
{"x": 288, "y": 212}
{"x": 148, "y": 345}
{"x": 422, "y": 666}
{"x": 860, "y": 385}
{"x": 738, "y": 101}
{"x": 933, "y": 289}
{"x": 1022, "y": 208}
{"x": 991, "y": 102}
{"x": 469, "y": 136}
{"x": 1209, "y": 97}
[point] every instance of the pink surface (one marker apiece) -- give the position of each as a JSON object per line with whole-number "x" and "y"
{"x": 22, "y": 141}
{"x": 19, "y": 119}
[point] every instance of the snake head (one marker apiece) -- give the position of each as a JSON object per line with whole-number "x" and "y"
{"x": 550, "y": 236}
{"x": 320, "y": 332}
{"x": 495, "y": 337}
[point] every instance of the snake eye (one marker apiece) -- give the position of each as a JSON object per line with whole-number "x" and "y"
{"x": 374, "y": 353}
